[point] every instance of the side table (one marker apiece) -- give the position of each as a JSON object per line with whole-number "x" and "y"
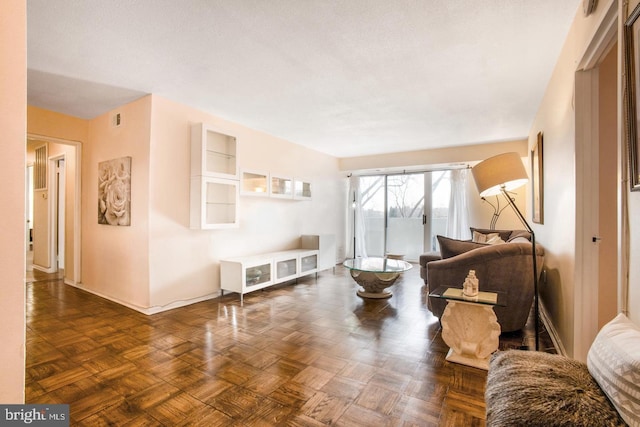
{"x": 469, "y": 325}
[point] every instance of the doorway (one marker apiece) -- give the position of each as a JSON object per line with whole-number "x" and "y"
{"x": 57, "y": 211}
{"x": 597, "y": 169}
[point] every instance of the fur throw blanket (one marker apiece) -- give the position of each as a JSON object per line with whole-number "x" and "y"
{"x": 526, "y": 388}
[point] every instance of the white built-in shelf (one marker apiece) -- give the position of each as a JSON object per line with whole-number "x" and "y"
{"x": 253, "y": 183}
{"x": 213, "y": 152}
{"x": 265, "y": 184}
{"x": 281, "y": 187}
{"x": 301, "y": 189}
{"x": 214, "y": 178}
{"x": 214, "y": 203}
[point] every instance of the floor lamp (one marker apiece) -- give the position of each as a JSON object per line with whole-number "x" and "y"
{"x": 501, "y": 174}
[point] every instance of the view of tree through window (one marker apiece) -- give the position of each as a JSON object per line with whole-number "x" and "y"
{"x": 404, "y": 199}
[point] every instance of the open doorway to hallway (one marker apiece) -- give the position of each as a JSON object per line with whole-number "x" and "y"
{"x": 53, "y": 197}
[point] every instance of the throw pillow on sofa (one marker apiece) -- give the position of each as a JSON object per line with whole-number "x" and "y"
{"x": 490, "y": 239}
{"x": 519, "y": 234}
{"x": 504, "y": 234}
{"x": 614, "y": 362}
{"x": 452, "y": 247}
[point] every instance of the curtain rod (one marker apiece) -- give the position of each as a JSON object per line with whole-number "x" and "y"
{"x": 406, "y": 172}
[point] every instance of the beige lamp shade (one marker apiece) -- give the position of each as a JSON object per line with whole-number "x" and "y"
{"x": 504, "y": 170}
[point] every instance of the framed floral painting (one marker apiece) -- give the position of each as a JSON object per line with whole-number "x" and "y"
{"x": 114, "y": 191}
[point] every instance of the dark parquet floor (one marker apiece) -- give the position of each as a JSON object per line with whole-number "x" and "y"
{"x": 305, "y": 354}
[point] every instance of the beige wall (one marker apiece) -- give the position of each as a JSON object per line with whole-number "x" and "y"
{"x": 13, "y": 122}
{"x": 556, "y": 118}
{"x": 55, "y": 125}
{"x": 115, "y": 259}
{"x": 184, "y": 263}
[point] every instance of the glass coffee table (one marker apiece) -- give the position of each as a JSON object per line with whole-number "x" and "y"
{"x": 375, "y": 274}
{"x": 469, "y": 325}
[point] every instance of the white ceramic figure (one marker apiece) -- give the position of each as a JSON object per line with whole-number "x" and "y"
{"x": 470, "y": 286}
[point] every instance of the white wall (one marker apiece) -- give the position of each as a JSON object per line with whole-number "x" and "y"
{"x": 184, "y": 263}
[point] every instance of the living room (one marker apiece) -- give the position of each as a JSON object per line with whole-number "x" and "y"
{"x": 148, "y": 261}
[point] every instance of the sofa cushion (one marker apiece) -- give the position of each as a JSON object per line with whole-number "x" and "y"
{"x": 452, "y": 247}
{"x": 527, "y": 388}
{"x": 614, "y": 361}
{"x": 427, "y": 257}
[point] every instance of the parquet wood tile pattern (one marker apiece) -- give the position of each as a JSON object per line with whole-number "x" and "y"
{"x": 310, "y": 353}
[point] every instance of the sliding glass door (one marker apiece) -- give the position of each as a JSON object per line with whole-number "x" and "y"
{"x": 438, "y": 194}
{"x": 372, "y": 200}
{"x": 403, "y": 213}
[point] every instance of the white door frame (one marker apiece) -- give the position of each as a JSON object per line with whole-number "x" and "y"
{"x": 56, "y": 212}
{"x": 587, "y": 200}
{"x": 28, "y": 202}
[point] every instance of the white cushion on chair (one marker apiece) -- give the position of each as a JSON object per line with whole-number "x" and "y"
{"x": 614, "y": 362}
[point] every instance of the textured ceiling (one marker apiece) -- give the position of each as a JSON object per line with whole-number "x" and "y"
{"x": 345, "y": 77}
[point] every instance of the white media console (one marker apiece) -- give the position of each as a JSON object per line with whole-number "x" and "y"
{"x": 249, "y": 273}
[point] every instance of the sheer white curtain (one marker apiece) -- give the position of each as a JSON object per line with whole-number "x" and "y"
{"x": 458, "y": 221}
{"x": 355, "y": 221}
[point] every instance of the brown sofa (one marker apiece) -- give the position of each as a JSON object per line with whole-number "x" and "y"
{"x": 505, "y": 267}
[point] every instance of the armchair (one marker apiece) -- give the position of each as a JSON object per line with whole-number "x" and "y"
{"x": 502, "y": 267}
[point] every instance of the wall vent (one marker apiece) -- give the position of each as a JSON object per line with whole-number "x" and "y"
{"x": 40, "y": 169}
{"x": 116, "y": 120}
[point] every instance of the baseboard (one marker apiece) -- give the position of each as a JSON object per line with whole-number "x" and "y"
{"x": 178, "y": 304}
{"x": 553, "y": 333}
{"x": 48, "y": 270}
{"x": 147, "y": 310}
